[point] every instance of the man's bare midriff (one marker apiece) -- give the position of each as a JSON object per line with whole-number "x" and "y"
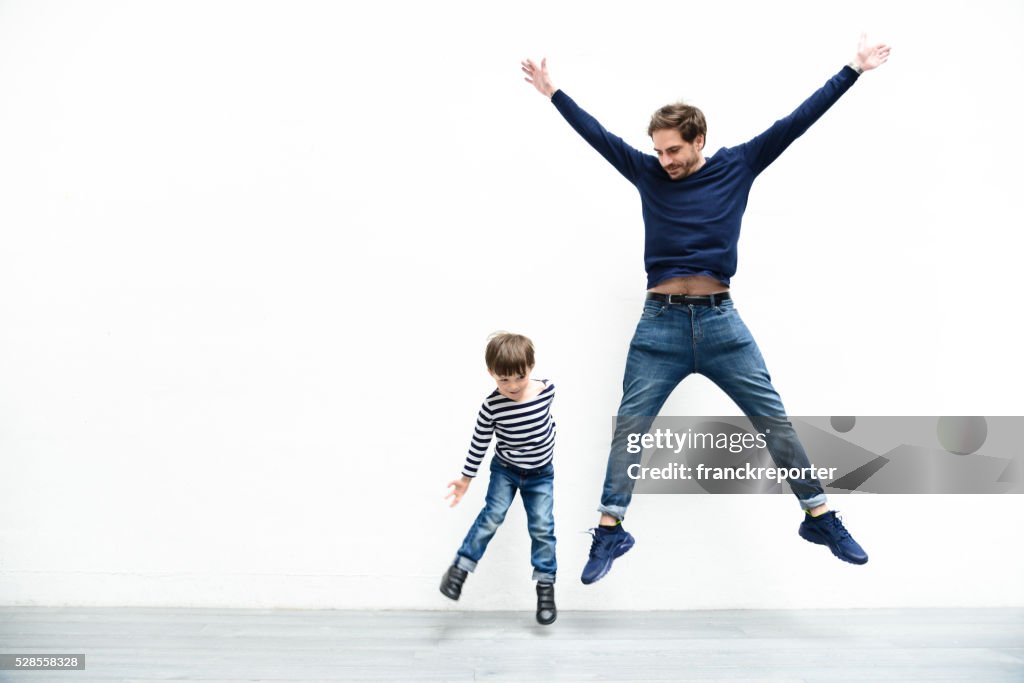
{"x": 697, "y": 285}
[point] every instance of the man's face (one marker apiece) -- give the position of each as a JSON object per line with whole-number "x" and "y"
{"x": 678, "y": 157}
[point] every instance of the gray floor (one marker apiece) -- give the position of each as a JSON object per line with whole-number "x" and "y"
{"x": 131, "y": 644}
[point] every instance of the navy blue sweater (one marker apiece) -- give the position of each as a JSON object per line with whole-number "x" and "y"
{"x": 692, "y": 225}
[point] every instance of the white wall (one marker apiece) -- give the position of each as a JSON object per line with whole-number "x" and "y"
{"x": 250, "y": 254}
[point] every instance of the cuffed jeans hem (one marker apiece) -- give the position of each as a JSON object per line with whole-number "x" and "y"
{"x": 543, "y": 576}
{"x": 616, "y": 511}
{"x": 814, "y": 501}
{"x": 464, "y": 563}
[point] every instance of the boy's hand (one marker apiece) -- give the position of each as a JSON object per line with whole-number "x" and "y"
{"x": 459, "y": 488}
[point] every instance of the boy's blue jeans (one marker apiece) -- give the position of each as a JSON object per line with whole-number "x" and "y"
{"x": 537, "y": 489}
{"x": 671, "y": 342}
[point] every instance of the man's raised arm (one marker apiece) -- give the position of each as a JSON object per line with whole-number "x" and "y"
{"x": 627, "y": 160}
{"x": 766, "y": 147}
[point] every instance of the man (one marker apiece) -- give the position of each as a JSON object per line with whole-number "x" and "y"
{"x": 692, "y": 209}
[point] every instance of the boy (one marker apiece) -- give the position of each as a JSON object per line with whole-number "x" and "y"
{"x": 518, "y": 412}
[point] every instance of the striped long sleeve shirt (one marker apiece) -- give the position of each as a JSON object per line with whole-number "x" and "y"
{"x": 525, "y": 431}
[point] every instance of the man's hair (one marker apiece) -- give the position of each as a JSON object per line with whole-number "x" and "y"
{"x": 689, "y": 121}
{"x": 509, "y": 354}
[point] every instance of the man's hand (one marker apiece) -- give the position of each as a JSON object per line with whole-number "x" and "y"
{"x": 870, "y": 56}
{"x": 538, "y": 77}
{"x": 459, "y": 488}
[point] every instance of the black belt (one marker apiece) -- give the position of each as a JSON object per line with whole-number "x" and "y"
{"x": 689, "y": 299}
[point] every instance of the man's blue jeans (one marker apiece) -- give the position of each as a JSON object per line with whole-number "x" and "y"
{"x": 671, "y": 342}
{"x": 537, "y": 489}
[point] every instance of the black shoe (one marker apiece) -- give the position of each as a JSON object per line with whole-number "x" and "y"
{"x": 546, "y": 610}
{"x": 451, "y": 583}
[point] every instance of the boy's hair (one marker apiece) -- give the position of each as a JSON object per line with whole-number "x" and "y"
{"x": 688, "y": 120}
{"x": 509, "y": 354}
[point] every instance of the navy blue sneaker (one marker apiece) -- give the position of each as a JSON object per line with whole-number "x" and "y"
{"x": 828, "y": 529}
{"x": 606, "y": 547}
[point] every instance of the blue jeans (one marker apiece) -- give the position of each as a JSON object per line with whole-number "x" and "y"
{"x": 537, "y": 489}
{"x": 671, "y": 342}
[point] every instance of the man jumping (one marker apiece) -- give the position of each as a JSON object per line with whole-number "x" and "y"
{"x": 692, "y": 209}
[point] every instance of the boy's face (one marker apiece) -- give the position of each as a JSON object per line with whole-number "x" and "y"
{"x": 512, "y": 386}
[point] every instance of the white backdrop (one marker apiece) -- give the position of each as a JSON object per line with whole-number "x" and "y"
{"x": 250, "y": 254}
